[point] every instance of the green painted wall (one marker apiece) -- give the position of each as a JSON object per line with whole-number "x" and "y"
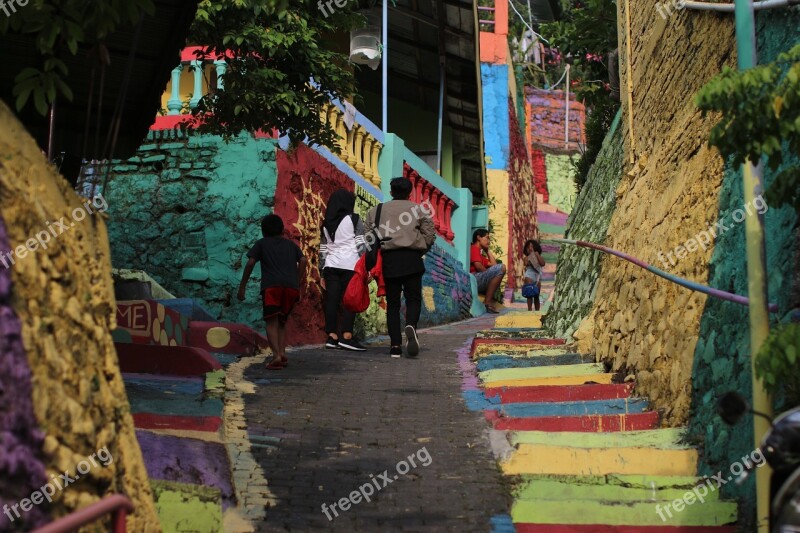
{"x": 184, "y": 210}
{"x": 579, "y": 268}
{"x": 418, "y": 128}
{"x": 561, "y": 180}
{"x": 722, "y": 356}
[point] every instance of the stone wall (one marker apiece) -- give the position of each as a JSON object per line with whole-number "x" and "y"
{"x": 579, "y": 268}
{"x": 63, "y": 297}
{"x": 522, "y": 209}
{"x": 722, "y": 355}
{"x": 643, "y": 324}
{"x": 187, "y": 209}
{"x": 561, "y": 180}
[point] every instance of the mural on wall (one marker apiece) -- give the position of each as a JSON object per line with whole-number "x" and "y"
{"x": 522, "y": 207}
{"x": 150, "y": 322}
{"x": 306, "y": 180}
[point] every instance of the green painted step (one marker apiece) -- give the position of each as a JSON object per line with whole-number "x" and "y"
{"x": 184, "y": 508}
{"x": 625, "y": 513}
{"x": 541, "y": 372}
{"x": 658, "y": 488}
{"x": 665, "y": 439}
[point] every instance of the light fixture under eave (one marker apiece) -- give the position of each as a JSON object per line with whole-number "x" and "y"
{"x": 365, "y": 43}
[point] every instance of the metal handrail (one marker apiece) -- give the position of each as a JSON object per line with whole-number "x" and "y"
{"x": 117, "y": 505}
{"x": 683, "y": 282}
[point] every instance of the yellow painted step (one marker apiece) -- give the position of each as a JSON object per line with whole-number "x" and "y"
{"x": 542, "y": 459}
{"x": 521, "y": 319}
{"x": 504, "y": 374}
{"x": 603, "y": 379}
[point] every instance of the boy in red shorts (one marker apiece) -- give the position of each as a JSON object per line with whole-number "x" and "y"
{"x": 282, "y": 267}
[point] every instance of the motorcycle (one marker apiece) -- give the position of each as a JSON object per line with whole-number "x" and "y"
{"x": 781, "y": 449}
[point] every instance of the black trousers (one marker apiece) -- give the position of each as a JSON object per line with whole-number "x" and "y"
{"x": 336, "y": 280}
{"x": 411, "y": 287}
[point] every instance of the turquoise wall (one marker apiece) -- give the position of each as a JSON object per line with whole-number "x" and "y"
{"x": 184, "y": 210}
{"x": 722, "y": 356}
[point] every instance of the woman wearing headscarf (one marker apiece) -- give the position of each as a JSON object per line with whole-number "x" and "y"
{"x": 341, "y": 245}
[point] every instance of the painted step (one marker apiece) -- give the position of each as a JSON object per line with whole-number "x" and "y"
{"x": 512, "y": 333}
{"x": 484, "y": 346}
{"x": 567, "y": 393}
{"x": 636, "y": 514}
{"x": 610, "y": 488}
{"x": 584, "y": 379}
{"x": 599, "y": 528}
{"x": 209, "y": 424}
{"x": 519, "y": 319}
{"x": 590, "y": 423}
{"x": 507, "y": 374}
{"x": 527, "y": 353}
{"x": 543, "y": 459}
{"x": 169, "y": 360}
{"x": 664, "y": 439}
{"x": 491, "y": 362}
{"x": 171, "y": 397}
{"x": 619, "y": 406}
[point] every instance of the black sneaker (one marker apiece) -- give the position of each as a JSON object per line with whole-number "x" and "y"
{"x": 331, "y": 342}
{"x": 351, "y": 344}
{"x": 412, "y": 342}
{"x": 396, "y": 352}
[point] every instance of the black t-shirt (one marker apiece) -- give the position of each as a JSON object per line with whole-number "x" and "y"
{"x": 278, "y": 257}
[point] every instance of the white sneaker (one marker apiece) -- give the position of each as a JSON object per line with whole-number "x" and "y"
{"x": 412, "y": 342}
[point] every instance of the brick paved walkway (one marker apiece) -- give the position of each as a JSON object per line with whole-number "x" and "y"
{"x": 321, "y": 427}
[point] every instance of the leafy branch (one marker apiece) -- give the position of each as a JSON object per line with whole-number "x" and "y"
{"x": 760, "y": 113}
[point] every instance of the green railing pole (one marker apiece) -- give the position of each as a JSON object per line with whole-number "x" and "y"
{"x": 756, "y": 265}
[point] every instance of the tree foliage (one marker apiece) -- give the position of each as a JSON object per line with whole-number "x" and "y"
{"x": 586, "y": 39}
{"x": 273, "y": 52}
{"x": 58, "y": 28}
{"x": 272, "y": 55}
{"x": 760, "y": 118}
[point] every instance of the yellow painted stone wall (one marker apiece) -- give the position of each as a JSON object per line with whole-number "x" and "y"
{"x": 497, "y": 186}
{"x": 64, "y": 298}
{"x": 669, "y": 193}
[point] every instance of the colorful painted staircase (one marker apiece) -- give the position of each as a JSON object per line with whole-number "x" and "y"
{"x": 174, "y": 362}
{"x": 584, "y": 453}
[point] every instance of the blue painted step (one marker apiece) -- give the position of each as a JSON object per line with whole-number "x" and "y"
{"x": 182, "y": 397}
{"x": 476, "y": 400}
{"x": 492, "y": 362}
{"x": 617, "y": 406}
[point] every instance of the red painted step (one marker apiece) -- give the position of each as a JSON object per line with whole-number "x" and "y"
{"x": 561, "y": 393}
{"x": 588, "y": 423}
{"x": 190, "y": 423}
{"x": 584, "y": 528}
{"x": 171, "y": 360}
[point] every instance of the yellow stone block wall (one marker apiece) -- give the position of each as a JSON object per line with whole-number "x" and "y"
{"x": 497, "y": 187}
{"x": 64, "y": 298}
{"x": 669, "y": 193}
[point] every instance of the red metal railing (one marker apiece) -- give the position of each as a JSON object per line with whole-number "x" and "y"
{"x": 442, "y": 205}
{"x": 117, "y": 505}
{"x": 488, "y": 23}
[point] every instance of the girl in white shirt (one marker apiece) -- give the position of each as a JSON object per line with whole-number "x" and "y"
{"x": 341, "y": 245}
{"x": 533, "y": 269}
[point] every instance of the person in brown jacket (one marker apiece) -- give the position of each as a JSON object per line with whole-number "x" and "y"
{"x": 406, "y": 232}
